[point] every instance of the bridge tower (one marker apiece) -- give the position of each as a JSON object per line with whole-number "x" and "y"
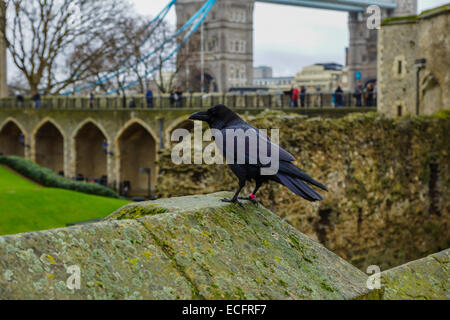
{"x": 227, "y": 46}
{"x": 3, "y": 83}
{"x": 362, "y": 56}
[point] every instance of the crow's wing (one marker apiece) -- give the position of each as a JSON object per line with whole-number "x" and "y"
{"x": 251, "y": 145}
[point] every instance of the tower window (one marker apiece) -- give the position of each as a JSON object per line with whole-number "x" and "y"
{"x": 399, "y": 111}
{"x": 400, "y": 67}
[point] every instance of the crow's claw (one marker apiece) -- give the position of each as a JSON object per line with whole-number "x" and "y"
{"x": 254, "y": 201}
{"x": 233, "y": 201}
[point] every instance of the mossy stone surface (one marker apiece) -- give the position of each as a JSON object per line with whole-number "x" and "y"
{"x": 425, "y": 279}
{"x": 194, "y": 247}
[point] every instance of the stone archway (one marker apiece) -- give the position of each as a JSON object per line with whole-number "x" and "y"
{"x": 180, "y": 123}
{"x": 49, "y": 147}
{"x": 90, "y": 153}
{"x": 12, "y": 140}
{"x": 137, "y": 149}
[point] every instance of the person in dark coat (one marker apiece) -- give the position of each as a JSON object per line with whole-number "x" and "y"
{"x": 20, "y": 100}
{"x": 91, "y": 100}
{"x": 369, "y": 95}
{"x": 339, "y": 97}
{"x": 132, "y": 104}
{"x": 149, "y": 98}
{"x": 179, "y": 97}
{"x": 172, "y": 98}
{"x": 302, "y": 96}
{"x": 358, "y": 94}
{"x": 291, "y": 92}
{"x": 37, "y": 100}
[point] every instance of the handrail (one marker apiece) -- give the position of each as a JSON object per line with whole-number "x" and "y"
{"x": 249, "y": 100}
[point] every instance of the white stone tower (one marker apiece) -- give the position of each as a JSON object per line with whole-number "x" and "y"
{"x": 228, "y": 45}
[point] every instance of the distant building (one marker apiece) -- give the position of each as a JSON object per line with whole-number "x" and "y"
{"x": 321, "y": 76}
{"x": 414, "y": 48}
{"x": 262, "y": 72}
{"x": 274, "y": 83}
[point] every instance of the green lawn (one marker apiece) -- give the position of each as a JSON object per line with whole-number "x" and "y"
{"x": 26, "y": 207}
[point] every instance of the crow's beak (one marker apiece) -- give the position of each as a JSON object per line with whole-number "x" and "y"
{"x": 202, "y": 116}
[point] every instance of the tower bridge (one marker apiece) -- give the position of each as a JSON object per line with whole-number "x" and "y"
{"x": 228, "y": 38}
{"x": 116, "y": 143}
{"x": 224, "y": 47}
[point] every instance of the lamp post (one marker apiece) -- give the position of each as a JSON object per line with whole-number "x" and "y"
{"x": 148, "y": 171}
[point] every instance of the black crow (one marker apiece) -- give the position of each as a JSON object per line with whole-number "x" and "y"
{"x": 224, "y": 120}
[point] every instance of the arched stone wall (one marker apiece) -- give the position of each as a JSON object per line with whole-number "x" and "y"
{"x": 48, "y": 146}
{"x": 111, "y": 123}
{"x": 12, "y": 138}
{"x": 136, "y": 148}
{"x": 90, "y": 146}
{"x": 182, "y": 122}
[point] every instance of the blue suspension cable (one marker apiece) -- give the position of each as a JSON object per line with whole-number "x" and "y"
{"x": 106, "y": 78}
{"x": 161, "y": 46}
{"x": 178, "y": 47}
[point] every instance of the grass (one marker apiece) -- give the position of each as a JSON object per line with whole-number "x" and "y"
{"x": 26, "y": 207}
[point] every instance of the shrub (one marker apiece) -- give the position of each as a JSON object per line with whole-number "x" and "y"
{"x": 49, "y": 178}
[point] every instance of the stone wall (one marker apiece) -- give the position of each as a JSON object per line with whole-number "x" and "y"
{"x": 120, "y": 129}
{"x": 187, "y": 248}
{"x": 424, "y": 279}
{"x": 402, "y": 41}
{"x": 388, "y": 179}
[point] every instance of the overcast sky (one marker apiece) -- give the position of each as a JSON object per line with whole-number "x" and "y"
{"x": 289, "y": 38}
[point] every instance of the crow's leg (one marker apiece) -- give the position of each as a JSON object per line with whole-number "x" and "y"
{"x": 253, "y": 194}
{"x": 236, "y": 195}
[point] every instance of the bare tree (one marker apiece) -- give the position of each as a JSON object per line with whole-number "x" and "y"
{"x": 44, "y": 36}
{"x": 136, "y": 51}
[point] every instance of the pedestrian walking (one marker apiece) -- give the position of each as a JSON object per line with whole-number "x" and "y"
{"x": 295, "y": 96}
{"x": 358, "y": 94}
{"x": 179, "y": 98}
{"x": 339, "y": 97}
{"x": 20, "y": 100}
{"x": 91, "y": 100}
{"x": 291, "y": 92}
{"x": 302, "y": 96}
{"x": 149, "y": 98}
{"x": 369, "y": 95}
{"x": 172, "y": 98}
{"x": 37, "y": 100}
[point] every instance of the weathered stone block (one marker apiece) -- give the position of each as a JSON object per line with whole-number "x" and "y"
{"x": 193, "y": 247}
{"x": 427, "y": 278}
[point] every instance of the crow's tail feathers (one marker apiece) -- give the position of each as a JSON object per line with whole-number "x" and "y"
{"x": 299, "y": 187}
{"x": 290, "y": 169}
